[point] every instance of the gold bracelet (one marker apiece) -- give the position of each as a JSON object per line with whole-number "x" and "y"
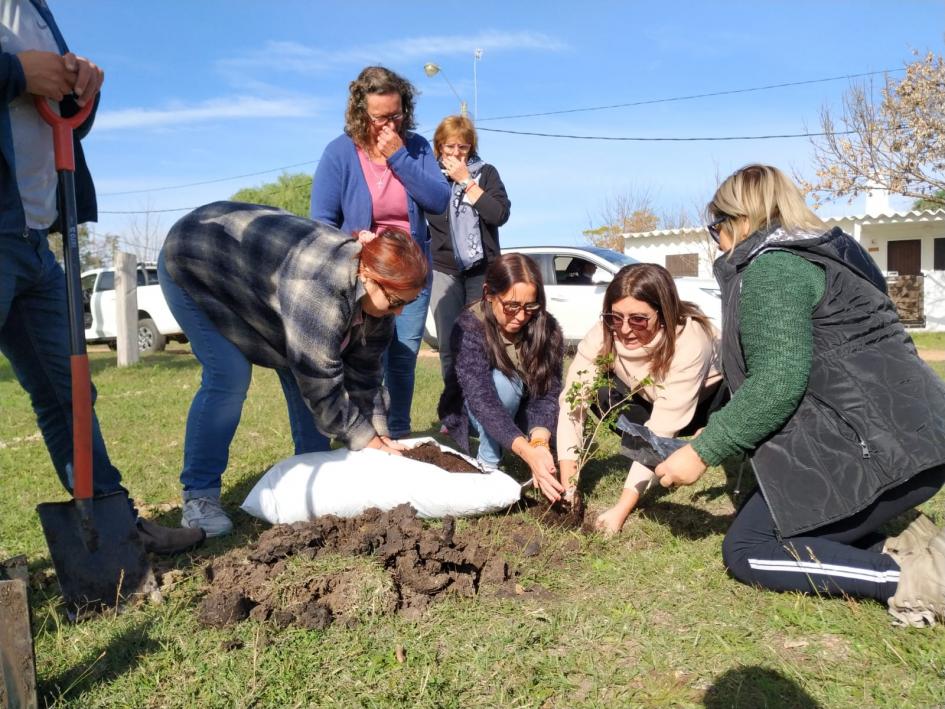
{"x": 539, "y": 443}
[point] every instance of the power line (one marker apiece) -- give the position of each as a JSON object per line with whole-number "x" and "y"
{"x": 690, "y": 97}
{"x": 146, "y": 211}
{"x": 639, "y": 139}
{"x": 298, "y": 189}
{"x": 665, "y": 140}
{"x": 205, "y": 182}
{"x": 645, "y": 102}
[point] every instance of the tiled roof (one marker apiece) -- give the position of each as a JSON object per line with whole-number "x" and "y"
{"x": 914, "y": 216}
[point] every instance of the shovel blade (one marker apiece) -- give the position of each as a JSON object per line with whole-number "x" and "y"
{"x": 101, "y": 575}
{"x": 17, "y": 666}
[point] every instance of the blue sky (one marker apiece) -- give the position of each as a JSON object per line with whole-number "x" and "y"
{"x": 199, "y": 91}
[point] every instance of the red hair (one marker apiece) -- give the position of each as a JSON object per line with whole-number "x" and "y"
{"x": 394, "y": 260}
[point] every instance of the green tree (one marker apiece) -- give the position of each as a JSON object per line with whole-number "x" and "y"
{"x": 93, "y": 252}
{"x": 936, "y": 201}
{"x": 290, "y": 192}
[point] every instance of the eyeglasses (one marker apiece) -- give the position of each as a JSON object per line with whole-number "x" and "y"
{"x": 512, "y": 307}
{"x": 459, "y": 147}
{"x": 615, "y": 321}
{"x": 713, "y": 228}
{"x": 383, "y": 120}
{"x": 392, "y": 300}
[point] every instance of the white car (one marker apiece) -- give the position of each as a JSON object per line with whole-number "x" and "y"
{"x": 575, "y": 302}
{"x": 156, "y": 324}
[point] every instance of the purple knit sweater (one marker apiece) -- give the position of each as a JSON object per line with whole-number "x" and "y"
{"x": 472, "y": 382}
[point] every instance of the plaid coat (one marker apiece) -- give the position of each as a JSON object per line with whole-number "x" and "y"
{"x": 285, "y": 291}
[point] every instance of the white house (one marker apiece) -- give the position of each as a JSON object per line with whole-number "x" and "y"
{"x": 908, "y": 246}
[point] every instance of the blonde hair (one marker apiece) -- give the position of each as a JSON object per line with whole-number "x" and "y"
{"x": 455, "y": 125}
{"x": 762, "y": 195}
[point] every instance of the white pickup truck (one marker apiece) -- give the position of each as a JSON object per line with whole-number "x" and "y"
{"x": 156, "y": 325}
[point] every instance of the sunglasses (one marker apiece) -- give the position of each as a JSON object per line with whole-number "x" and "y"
{"x": 461, "y": 147}
{"x": 615, "y": 321}
{"x": 383, "y": 120}
{"x": 512, "y": 307}
{"x": 392, "y": 300}
{"x": 715, "y": 226}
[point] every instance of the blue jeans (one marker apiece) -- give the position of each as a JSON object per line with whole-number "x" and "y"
{"x": 218, "y": 404}
{"x": 401, "y": 363}
{"x": 34, "y": 336}
{"x": 510, "y": 393}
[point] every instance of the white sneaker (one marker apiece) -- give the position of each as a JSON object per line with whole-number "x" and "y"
{"x": 206, "y": 513}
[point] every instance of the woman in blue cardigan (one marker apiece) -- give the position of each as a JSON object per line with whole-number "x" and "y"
{"x": 379, "y": 175}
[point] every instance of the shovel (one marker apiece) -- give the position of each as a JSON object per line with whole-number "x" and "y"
{"x": 94, "y": 543}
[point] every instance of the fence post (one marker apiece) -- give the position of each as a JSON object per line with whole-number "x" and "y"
{"x": 126, "y": 307}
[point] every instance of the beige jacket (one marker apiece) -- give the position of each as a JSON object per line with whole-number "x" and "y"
{"x": 692, "y": 376}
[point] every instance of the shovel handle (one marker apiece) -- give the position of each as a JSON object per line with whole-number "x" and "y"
{"x": 62, "y": 130}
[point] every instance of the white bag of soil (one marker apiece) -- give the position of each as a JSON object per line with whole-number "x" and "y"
{"x": 346, "y": 483}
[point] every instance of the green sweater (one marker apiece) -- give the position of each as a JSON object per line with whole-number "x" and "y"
{"x": 779, "y": 292}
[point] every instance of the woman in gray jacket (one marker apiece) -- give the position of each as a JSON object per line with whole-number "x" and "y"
{"x": 255, "y": 285}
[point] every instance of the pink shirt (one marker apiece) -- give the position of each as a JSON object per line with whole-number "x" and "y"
{"x": 388, "y": 196}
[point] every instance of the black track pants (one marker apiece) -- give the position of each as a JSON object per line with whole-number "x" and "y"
{"x": 829, "y": 560}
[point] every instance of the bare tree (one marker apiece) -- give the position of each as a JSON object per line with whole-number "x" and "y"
{"x": 144, "y": 235}
{"x": 630, "y": 211}
{"x": 895, "y": 142}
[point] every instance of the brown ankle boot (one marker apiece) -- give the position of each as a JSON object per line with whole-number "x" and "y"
{"x": 168, "y": 540}
{"x": 915, "y": 537}
{"x": 919, "y": 600}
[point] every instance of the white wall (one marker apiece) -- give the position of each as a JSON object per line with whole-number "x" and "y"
{"x": 876, "y": 237}
{"x": 655, "y": 249}
{"x": 934, "y": 300}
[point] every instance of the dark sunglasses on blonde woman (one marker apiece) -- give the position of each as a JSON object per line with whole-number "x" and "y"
{"x": 615, "y": 321}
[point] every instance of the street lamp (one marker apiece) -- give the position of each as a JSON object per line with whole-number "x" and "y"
{"x": 431, "y": 69}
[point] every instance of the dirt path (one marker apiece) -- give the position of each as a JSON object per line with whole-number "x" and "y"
{"x": 932, "y": 355}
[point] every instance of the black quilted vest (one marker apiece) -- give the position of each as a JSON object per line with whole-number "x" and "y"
{"x": 873, "y": 414}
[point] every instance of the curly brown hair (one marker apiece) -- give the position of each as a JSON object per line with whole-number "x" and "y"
{"x": 376, "y": 80}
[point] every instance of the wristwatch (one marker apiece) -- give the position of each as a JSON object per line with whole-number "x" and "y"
{"x": 465, "y": 184}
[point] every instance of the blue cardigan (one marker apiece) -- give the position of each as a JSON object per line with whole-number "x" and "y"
{"x": 341, "y": 198}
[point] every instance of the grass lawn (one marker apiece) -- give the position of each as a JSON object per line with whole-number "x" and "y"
{"x": 929, "y": 340}
{"x": 647, "y": 619}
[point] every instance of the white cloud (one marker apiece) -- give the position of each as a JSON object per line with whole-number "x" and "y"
{"x": 228, "y": 108}
{"x": 305, "y": 59}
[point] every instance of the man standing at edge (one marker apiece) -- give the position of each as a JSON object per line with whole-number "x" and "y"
{"x": 34, "y": 330}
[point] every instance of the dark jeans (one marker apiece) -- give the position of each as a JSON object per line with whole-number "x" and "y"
{"x": 34, "y": 336}
{"x": 400, "y": 363}
{"x": 830, "y": 560}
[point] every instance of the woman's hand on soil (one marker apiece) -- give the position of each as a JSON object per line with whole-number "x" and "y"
{"x": 391, "y": 443}
{"x": 544, "y": 473}
{"x": 381, "y": 443}
{"x": 683, "y": 467}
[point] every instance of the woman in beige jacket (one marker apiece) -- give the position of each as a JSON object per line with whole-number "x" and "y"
{"x": 651, "y": 334}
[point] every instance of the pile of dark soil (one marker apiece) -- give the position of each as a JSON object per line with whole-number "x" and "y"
{"x": 310, "y": 574}
{"x": 431, "y": 453}
{"x": 568, "y": 512}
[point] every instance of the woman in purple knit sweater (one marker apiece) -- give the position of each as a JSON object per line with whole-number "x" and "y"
{"x": 506, "y": 377}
